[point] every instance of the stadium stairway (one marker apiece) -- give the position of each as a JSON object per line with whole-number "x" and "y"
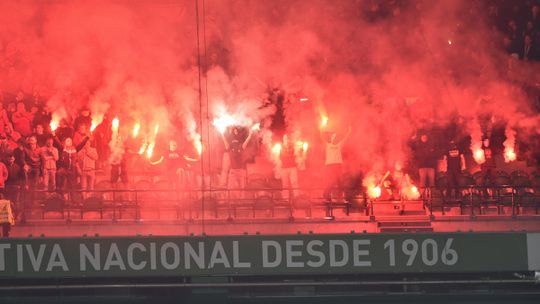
{"x": 401, "y": 216}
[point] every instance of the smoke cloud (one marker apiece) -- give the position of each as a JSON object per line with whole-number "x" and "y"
{"x": 384, "y": 68}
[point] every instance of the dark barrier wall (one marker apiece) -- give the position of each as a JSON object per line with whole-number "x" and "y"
{"x": 268, "y": 255}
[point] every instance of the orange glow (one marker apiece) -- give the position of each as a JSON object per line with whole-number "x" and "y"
{"x": 150, "y": 150}
{"x": 94, "y": 125}
{"x": 324, "y": 120}
{"x": 479, "y": 156}
{"x": 151, "y": 145}
{"x": 411, "y": 192}
{"x": 305, "y": 146}
{"x": 509, "y": 154}
{"x": 142, "y": 149}
{"x": 374, "y": 191}
{"x": 276, "y": 149}
{"x": 221, "y": 123}
{"x": 115, "y": 124}
{"x": 302, "y": 145}
{"x": 136, "y": 129}
{"x": 198, "y": 146}
{"x": 54, "y": 125}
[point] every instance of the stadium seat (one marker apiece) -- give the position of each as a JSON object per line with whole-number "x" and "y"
{"x": 303, "y": 202}
{"x": 210, "y": 204}
{"x": 502, "y": 173}
{"x": 527, "y": 200}
{"x": 535, "y": 182}
{"x": 55, "y": 203}
{"x": 256, "y": 177}
{"x": 472, "y": 200}
{"x": 103, "y": 185}
{"x": 143, "y": 193}
{"x": 436, "y": 201}
{"x": 502, "y": 180}
{"x": 263, "y": 203}
{"x": 465, "y": 181}
{"x": 92, "y": 204}
{"x": 441, "y": 182}
{"x": 521, "y": 181}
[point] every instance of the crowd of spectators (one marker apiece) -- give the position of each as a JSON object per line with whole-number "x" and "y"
{"x": 519, "y": 21}
{"x": 33, "y": 156}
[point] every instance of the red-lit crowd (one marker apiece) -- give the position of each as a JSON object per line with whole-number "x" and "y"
{"x": 35, "y": 157}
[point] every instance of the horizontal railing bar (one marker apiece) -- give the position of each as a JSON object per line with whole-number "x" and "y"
{"x": 264, "y": 284}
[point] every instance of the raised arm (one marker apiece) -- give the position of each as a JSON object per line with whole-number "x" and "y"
{"x": 244, "y": 145}
{"x": 322, "y": 135}
{"x": 346, "y": 135}
{"x": 190, "y": 159}
{"x": 82, "y": 143}
{"x": 57, "y": 141}
{"x": 157, "y": 162}
{"x": 225, "y": 142}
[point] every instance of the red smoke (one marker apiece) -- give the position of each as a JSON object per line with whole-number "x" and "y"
{"x": 424, "y": 63}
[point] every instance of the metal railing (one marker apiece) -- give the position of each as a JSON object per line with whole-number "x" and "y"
{"x": 186, "y": 203}
{"x": 183, "y": 202}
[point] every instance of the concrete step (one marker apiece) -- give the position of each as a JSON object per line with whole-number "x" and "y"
{"x": 405, "y": 224}
{"x": 403, "y": 218}
{"x": 407, "y": 229}
{"x": 398, "y": 207}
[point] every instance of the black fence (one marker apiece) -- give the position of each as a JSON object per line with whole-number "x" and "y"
{"x": 229, "y": 204}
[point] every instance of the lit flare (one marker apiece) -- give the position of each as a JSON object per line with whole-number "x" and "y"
{"x": 136, "y": 129}
{"x": 142, "y": 148}
{"x": 374, "y": 191}
{"x": 479, "y": 156}
{"x": 150, "y": 150}
{"x": 115, "y": 124}
{"x": 305, "y": 147}
{"x": 198, "y": 146}
{"x": 276, "y": 149}
{"x": 509, "y": 154}
{"x": 221, "y": 123}
{"x": 54, "y": 125}
{"x": 324, "y": 121}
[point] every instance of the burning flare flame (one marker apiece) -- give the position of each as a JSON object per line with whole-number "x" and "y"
{"x": 479, "y": 156}
{"x": 305, "y": 147}
{"x": 324, "y": 120}
{"x": 115, "y": 124}
{"x": 142, "y": 148}
{"x": 54, "y": 125}
{"x": 509, "y": 154}
{"x": 374, "y": 191}
{"x": 509, "y": 144}
{"x": 150, "y": 150}
{"x": 95, "y": 123}
{"x": 136, "y": 129}
{"x": 221, "y": 123}
{"x": 152, "y": 143}
{"x": 198, "y": 145}
{"x": 276, "y": 149}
